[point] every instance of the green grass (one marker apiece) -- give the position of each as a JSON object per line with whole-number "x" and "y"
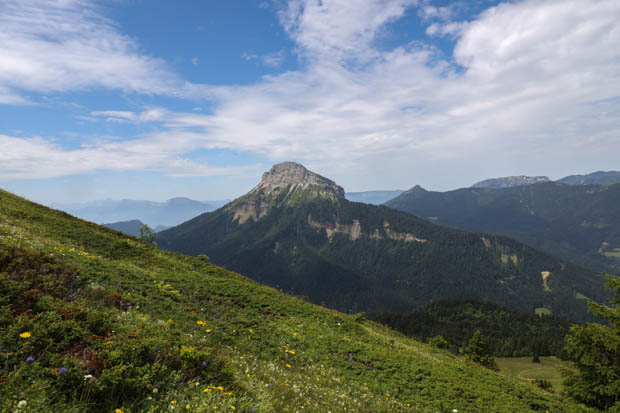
{"x": 522, "y": 368}
{"x": 114, "y": 323}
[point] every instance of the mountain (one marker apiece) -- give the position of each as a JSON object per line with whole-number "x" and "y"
{"x": 508, "y": 333}
{"x": 169, "y": 213}
{"x": 373, "y": 197}
{"x": 510, "y": 181}
{"x": 580, "y": 223}
{"x": 593, "y": 178}
{"x": 95, "y": 321}
{"x": 127, "y": 227}
{"x": 296, "y": 231}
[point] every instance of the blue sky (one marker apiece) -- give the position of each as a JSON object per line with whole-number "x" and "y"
{"x": 152, "y": 99}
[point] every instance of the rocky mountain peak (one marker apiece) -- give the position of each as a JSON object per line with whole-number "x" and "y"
{"x": 293, "y": 174}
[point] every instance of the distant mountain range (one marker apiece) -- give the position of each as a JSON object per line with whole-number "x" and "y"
{"x": 579, "y": 223}
{"x": 513, "y": 181}
{"x": 373, "y": 197}
{"x": 132, "y": 227}
{"x": 169, "y": 213}
{"x": 295, "y": 230}
{"x": 600, "y": 177}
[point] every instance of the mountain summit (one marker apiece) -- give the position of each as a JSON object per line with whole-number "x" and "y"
{"x": 294, "y": 176}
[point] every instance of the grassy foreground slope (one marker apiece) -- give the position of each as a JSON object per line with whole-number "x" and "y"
{"x": 92, "y": 320}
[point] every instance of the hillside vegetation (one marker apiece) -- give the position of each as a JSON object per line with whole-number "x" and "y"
{"x": 93, "y": 320}
{"x": 508, "y": 333}
{"x": 578, "y": 223}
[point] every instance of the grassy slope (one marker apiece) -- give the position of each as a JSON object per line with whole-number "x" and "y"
{"x": 140, "y": 307}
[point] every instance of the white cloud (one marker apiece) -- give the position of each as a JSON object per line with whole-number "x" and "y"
{"x": 538, "y": 87}
{"x": 36, "y": 158}
{"x": 67, "y": 45}
{"x": 195, "y": 61}
{"x": 339, "y": 29}
{"x": 272, "y": 60}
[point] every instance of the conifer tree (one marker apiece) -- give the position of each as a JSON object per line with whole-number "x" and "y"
{"x": 595, "y": 350}
{"x": 477, "y": 351}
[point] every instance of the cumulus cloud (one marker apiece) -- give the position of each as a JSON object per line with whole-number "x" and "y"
{"x": 67, "y": 45}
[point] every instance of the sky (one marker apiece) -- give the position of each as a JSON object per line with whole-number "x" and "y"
{"x": 154, "y": 99}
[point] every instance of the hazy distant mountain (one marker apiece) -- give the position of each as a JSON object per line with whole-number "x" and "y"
{"x": 580, "y": 223}
{"x": 599, "y": 177}
{"x": 373, "y": 197}
{"x": 133, "y": 226}
{"x": 510, "y": 181}
{"x": 296, "y": 231}
{"x": 127, "y": 227}
{"x": 169, "y": 213}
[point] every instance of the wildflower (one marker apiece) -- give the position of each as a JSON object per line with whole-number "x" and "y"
{"x": 22, "y": 404}
{"x": 200, "y": 323}
{"x": 181, "y": 384}
{"x": 206, "y": 390}
{"x": 173, "y": 402}
{"x": 251, "y": 331}
{"x": 220, "y": 388}
{"x": 187, "y": 406}
{"x": 62, "y": 370}
{"x": 118, "y": 411}
{"x": 155, "y": 390}
{"x": 208, "y": 330}
{"x": 25, "y": 334}
{"x": 30, "y": 359}
{"x": 232, "y": 407}
{"x": 88, "y": 376}
{"x": 456, "y": 411}
{"x": 288, "y": 366}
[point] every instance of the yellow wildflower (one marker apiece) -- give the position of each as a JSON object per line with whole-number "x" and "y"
{"x": 118, "y": 411}
{"x": 200, "y": 323}
{"x": 173, "y": 402}
{"x": 220, "y": 388}
{"x": 288, "y": 366}
{"x": 232, "y": 407}
{"x": 187, "y": 406}
{"x": 206, "y": 390}
{"x": 25, "y": 334}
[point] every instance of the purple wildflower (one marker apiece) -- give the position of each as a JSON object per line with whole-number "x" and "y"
{"x": 29, "y": 359}
{"x": 62, "y": 370}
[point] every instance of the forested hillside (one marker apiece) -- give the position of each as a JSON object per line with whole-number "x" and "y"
{"x": 580, "y": 223}
{"x": 295, "y": 231}
{"x": 508, "y": 333}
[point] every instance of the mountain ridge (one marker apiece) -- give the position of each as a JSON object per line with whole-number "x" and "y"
{"x": 578, "y": 223}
